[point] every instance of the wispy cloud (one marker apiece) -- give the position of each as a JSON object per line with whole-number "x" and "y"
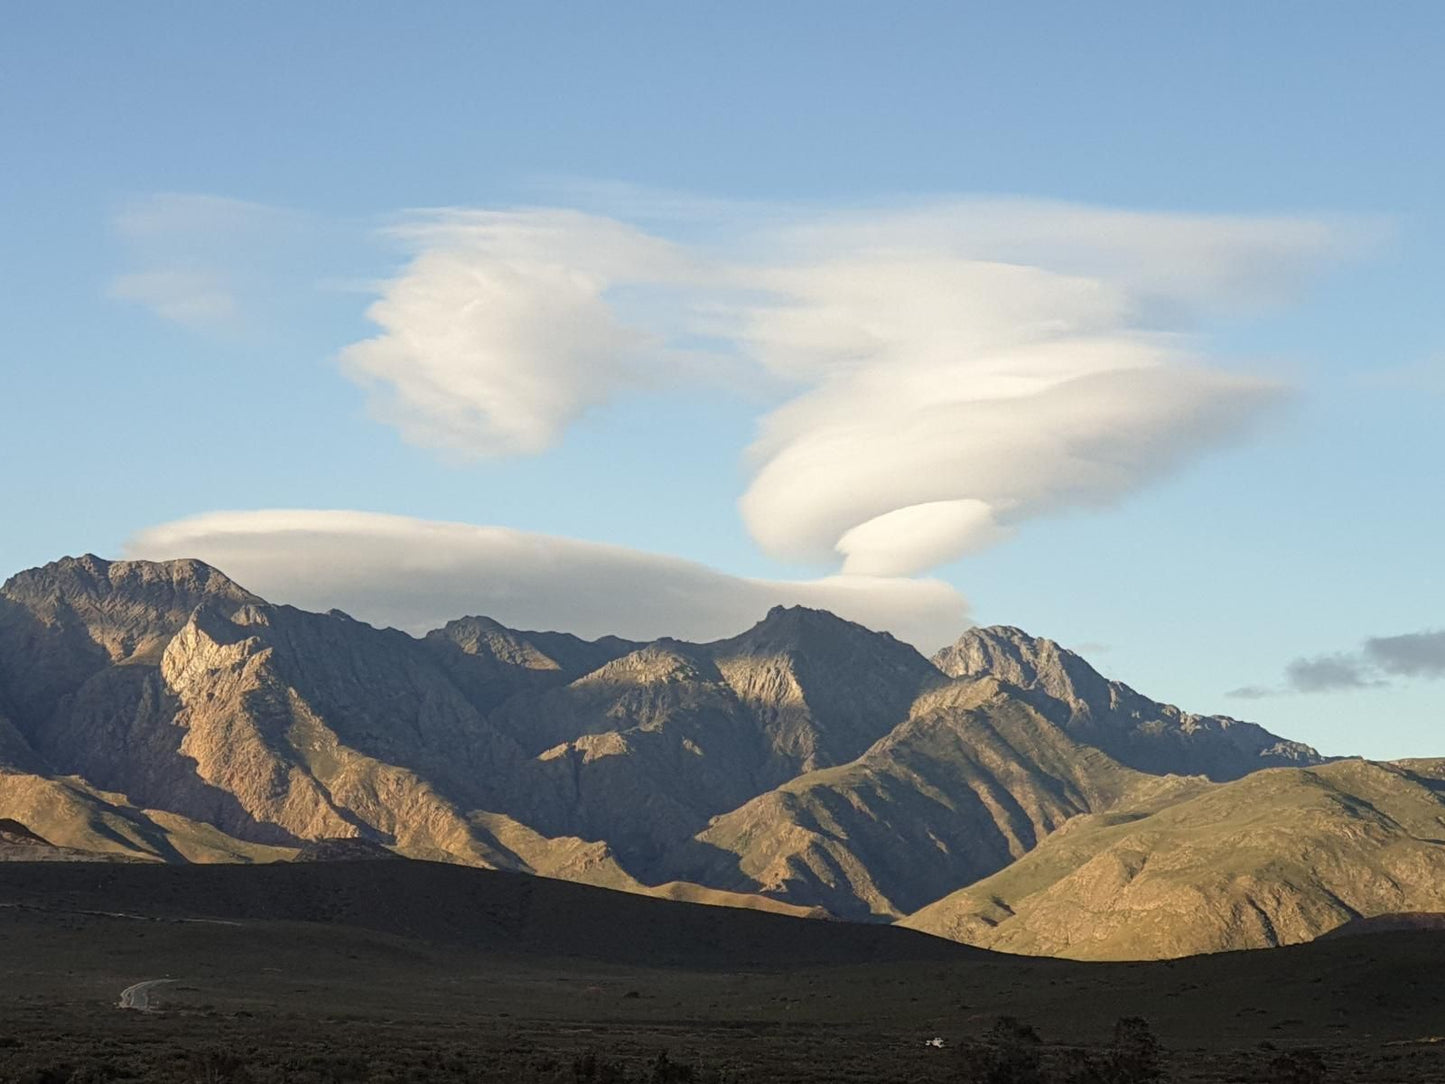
{"x": 202, "y": 261}
{"x": 417, "y": 574}
{"x": 195, "y": 297}
{"x": 1425, "y": 375}
{"x": 970, "y": 365}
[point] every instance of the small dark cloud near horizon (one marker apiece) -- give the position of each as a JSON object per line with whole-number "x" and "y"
{"x": 1328, "y": 673}
{"x": 1253, "y": 692}
{"x": 1415, "y": 654}
{"x": 1410, "y": 655}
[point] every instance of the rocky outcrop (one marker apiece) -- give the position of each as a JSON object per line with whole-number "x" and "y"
{"x": 67, "y": 621}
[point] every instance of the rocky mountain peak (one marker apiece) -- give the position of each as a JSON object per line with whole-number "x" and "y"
{"x": 801, "y": 629}
{"x": 481, "y": 636}
{"x": 90, "y": 583}
{"x": 665, "y": 660}
{"x": 65, "y": 621}
{"x": 1139, "y": 732}
{"x": 825, "y": 688}
{"x": 1030, "y": 662}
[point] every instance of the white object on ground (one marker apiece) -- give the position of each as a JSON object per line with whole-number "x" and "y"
{"x": 138, "y": 996}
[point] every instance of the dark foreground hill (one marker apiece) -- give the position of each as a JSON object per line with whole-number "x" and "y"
{"x": 559, "y": 983}
{"x": 472, "y": 909}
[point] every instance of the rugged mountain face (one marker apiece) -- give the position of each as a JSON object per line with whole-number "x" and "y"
{"x": 1276, "y": 858}
{"x": 645, "y": 749}
{"x": 822, "y": 689}
{"x": 971, "y": 781}
{"x": 490, "y": 662}
{"x": 639, "y": 752}
{"x": 66, "y": 622}
{"x": 1133, "y": 729}
{"x": 172, "y": 686}
{"x": 162, "y": 712}
{"x": 175, "y": 688}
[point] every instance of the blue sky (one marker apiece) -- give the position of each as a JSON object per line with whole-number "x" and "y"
{"x": 199, "y": 204}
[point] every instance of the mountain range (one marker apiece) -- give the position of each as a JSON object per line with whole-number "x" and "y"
{"x": 1002, "y": 793}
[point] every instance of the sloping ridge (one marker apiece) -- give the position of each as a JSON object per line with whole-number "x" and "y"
{"x": 1136, "y": 731}
{"x": 971, "y": 781}
{"x": 13, "y": 833}
{"x": 1276, "y": 858}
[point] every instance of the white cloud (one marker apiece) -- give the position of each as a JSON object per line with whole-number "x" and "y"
{"x": 418, "y": 574}
{"x": 501, "y": 330}
{"x": 967, "y": 366}
{"x": 869, "y": 444}
{"x": 1196, "y": 261}
{"x": 933, "y": 374}
{"x": 917, "y": 536}
{"x": 954, "y": 368}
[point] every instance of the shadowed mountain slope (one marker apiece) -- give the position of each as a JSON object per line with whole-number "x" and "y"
{"x": 972, "y": 780}
{"x": 490, "y": 662}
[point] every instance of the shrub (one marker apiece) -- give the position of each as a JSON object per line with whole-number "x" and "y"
{"x": 667, "y": 1071}
{"x": 217, "y": 1066}
{"x": 592, "y": 1069}
{"x": 1010, "y": 1055}
{"x": 1136, "y": 1054}
{"x": 1297, "y": 1067}
{"x": 1082, "y": 1067}
{"x": 45, "y": 1074}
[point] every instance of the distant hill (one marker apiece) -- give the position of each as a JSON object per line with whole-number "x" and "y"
{"x": 161, "y": 712}
{"x": 1276, "y": 858}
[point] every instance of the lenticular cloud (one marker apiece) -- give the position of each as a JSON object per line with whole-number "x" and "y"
{"x": 418, "y": 574}
{"x": 939, "y": 374}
